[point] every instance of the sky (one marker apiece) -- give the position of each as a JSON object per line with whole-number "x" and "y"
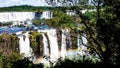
{"x": 6, "y": 3}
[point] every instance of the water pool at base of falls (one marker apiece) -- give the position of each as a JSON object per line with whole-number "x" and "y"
{"x": 72, "y": 54}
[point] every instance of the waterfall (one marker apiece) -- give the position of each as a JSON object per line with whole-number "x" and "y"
{"x": 24, "y": 45}
{"x": 81, "y": 42}
{"x": 52, "y": 36}
{"x": 63, "y": 47}
{"x": 51, "y": 49}
{"x": 22, "y": 16}
{"x": 69, "y": 41}
{"x": 66, "y": 43}
{"x": 84, "y": 39}
{"x": 46, "y": 15}
{"x": 16, "y": 16}
{"x": 53, "y": 44}
{"x": 45, "y": 42}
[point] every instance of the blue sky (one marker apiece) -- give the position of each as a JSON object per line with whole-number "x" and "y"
{"x": 5, "y": 3}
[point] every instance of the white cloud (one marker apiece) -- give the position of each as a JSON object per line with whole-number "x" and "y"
{"x": 14, "y": 0}
{"x": 5, "y": 3}
{"x": 8, "y": 2}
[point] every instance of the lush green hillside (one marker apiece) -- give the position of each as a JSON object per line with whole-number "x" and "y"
{"x": 27, "y": 8}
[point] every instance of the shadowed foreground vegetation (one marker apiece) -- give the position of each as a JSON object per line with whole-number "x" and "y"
{"x": 25, "y": 63}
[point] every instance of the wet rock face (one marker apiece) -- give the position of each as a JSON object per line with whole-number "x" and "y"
{"x": 36, "y": 43}
{"x": 8, "y": 44}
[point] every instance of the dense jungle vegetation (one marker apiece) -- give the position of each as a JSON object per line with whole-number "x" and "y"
{"x": 24, "y": 8}
{"x": 29, "y": 8}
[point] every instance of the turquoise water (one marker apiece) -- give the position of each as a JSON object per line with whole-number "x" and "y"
{"x": 11, "y": 30}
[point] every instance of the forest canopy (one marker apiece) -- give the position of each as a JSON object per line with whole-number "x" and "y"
{"x": 28, "y": 8}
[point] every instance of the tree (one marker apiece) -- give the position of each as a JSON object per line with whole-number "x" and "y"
{"x": 36, "y": 22}
{"x": 103, "y": 34}
{"x": 8, "y": 50}
{"x": 61, "y": 19}
{"x": 108, "y": 29}
{"x": 102, "y": 31}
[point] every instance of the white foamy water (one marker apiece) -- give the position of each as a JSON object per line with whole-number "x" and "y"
{"x": 22, "y": 16}
{"x": 46, "y": 15}
{"x": 24, "y": 45}
{"x": 51, "y": 50}
{"x": 52, "y": 36}
{"x": 45, "y": 45}
{"x": 81, "y": 43}
{"x": 63, "y": 46}
{"x": 16, "y": 16}
{"x": 53, "y": 44}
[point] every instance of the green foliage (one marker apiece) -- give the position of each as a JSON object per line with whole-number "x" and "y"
{"x": 61, "y": 19}
{"x": 108, "y": 30}
{"x": 25, "y": 63}
{"x": 36, "y": 43}
{"x": 90, "y": 14}
{"x": 8, "y": 50}
{"x": 37, "y": 22}
{"x": 28, "y": 8}
{"x": 21, "y": 8}
{"x": 6, "y": 24}
{"x": 84, "y": 63}
{"x": 33, "y": 36}
{"x": 102, "y": 29}
{"x": 9, "y": 54}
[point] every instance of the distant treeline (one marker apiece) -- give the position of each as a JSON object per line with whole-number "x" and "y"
{"x": 28, "y": 8}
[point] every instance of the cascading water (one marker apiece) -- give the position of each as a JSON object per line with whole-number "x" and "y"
{"x": 46, "y": 15}
{"x": 63, "y": 47}
{"x": 45, "y": 42}
{"x": 81, "y": 42}
{"x": 50, "y": 45}
{"x": 68, "y": 50}
{"x": 53, "y": 44}
{"x": 84, "y": 39}
{"x": 22, "y": 16}
{"x": 16, "y": 16}
{"x": 52, "y": 36}
{"x": 69, "y": 41}
{"x": 24, "y": 45}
